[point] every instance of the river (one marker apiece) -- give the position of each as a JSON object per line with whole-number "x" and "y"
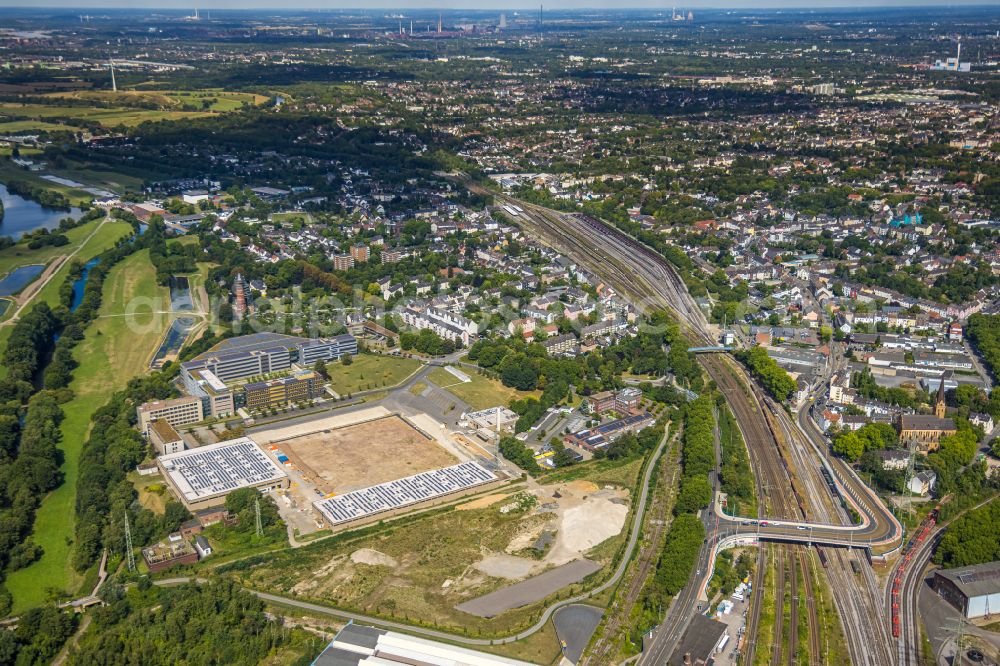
{"x": 22, "y": 215}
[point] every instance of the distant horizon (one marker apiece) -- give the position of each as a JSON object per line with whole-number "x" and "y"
{"x": 493, "y": 5}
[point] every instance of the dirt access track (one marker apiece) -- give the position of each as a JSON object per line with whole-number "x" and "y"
{"x": 365, "y": 454}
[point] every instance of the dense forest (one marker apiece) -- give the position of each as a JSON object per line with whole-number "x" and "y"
{"x": 215, "y": 623}
{"x": 972, "y": 539}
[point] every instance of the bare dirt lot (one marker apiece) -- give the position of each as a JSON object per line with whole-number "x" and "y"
{"x": 365, "y": 454}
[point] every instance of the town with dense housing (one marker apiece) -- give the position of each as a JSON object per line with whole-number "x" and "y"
{"x": 498, "y": 336}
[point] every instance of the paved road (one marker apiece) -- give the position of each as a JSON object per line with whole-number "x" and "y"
{"x": 531, "y": 590}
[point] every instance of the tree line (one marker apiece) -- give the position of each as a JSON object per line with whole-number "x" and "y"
{"x": 686, "y": 532}
{"x": 768, "y": 373}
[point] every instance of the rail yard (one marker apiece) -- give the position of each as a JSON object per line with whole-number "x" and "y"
{"x": 775, "y": 444}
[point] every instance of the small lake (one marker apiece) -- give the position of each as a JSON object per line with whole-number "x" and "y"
{"x": 19, "y": 278}
{"x": 22, "y": 215}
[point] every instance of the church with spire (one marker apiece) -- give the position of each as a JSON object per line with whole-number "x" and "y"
{"x": 922, "y": 433}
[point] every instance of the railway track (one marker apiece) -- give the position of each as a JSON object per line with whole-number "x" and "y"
{"x": 774, "y": 441}
{"x": 757, "y": 429}
{"x": 815, "y": 641}
{"x": 779, "y": 602}
{"x": 606, "y": 646}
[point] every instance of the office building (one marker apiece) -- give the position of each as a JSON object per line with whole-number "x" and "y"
{"x": 623, "y": 401}
{"x": 164, "y": 438}
{"x": 264, "y": 353}
{"x": 300, "y": 387}
{"x": 176, "y": 412}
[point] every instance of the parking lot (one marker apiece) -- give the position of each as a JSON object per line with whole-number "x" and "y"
{"x": 736, "y": 621}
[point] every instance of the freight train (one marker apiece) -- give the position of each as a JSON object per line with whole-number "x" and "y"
{"x": 919, "y": 536}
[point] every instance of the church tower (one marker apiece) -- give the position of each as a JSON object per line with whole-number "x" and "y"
{"x": 939, "y": 406}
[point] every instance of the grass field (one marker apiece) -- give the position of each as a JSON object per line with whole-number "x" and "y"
{"x": 170, "y": 105}
{"x": 214, "y": 100}
{"x": 111, "y": 117}
{"x": 105, "y": 238}
{"x": 152, "y": 491}
{"x": 16, "y": 126}
{"x": 112, "y": 352}
{"x": 305, "y": 218}
{"x": 86, "y": 173}
{"x": 481, "y": 392}
{"x": 370, "y": 371}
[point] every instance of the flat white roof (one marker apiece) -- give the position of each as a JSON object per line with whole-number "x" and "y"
{"x": 213, "y": 381}
{"x": 359, "y": 645}
{"x": 403, "y": 492}
{"x": 219, "y": 469}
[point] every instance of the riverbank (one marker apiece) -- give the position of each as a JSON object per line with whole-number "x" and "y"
{"x": 88, "y": 241}
{"x": 115, "y": 349}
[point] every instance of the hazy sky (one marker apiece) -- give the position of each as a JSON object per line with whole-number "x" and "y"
{"x": 481, "y": 4}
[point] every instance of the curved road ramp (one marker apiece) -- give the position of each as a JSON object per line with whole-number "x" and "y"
{"x": 530, "y": 590}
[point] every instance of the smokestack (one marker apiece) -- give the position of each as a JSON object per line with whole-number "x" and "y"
{"x": 541, "y": 17}
{"x": 114, "y": 85}
{"x": 958, "y": 56}
{"x": 439, "y": 24}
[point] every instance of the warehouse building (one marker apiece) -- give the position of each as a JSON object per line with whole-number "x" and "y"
{"x": 176, "y": 412}
{"x": 202, "y": 477}
{"x": 393, "y": 496}
{"x": 358, "y": 645}
{"x": 974, "y": 591}
{"x": 600, "y": 438}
